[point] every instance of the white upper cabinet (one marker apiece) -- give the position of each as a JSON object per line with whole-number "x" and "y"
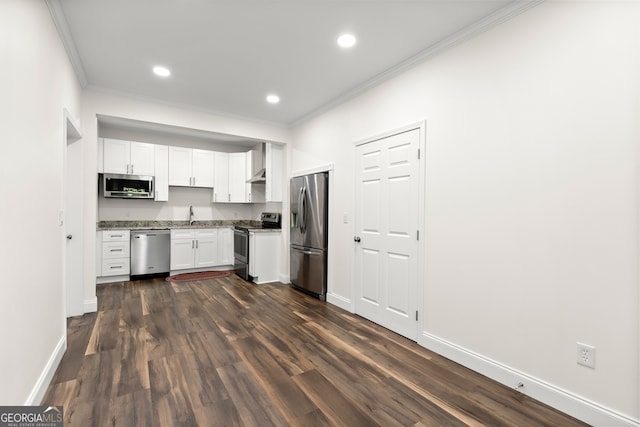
{"x": 180, "y": 166}
{"x": 237, "y": 177}
{"x": 230, "y": 184}
{"x": 190, "y": 167}
{"x": 221, "y": 178}
{"x": 202, "y": 168}
{"x": 128, "y": 157}
{"x": 161, "y": 181}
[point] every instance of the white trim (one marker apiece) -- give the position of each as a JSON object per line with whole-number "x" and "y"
{"x": 340, "y": 301}
{"x": 420, "y": 124}
{"x": 112, "y": 279}
{"x": 562, "y": 400}
{"x": 59, "y": 20}
{"x": 284, "y": 278}
{"x": 40, "y": 387}
{"x": 91, "y": 305}
{"x": 318, "y": 169}
{"x": 510, "y": 11}
{"x": 74, "y": 130}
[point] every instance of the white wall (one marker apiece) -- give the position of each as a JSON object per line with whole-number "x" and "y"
{"x": 531, "y": 193}
{"x": 36, "y": 84}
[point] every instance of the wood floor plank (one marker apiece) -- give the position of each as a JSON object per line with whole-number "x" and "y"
{"x": 170, "y": 392}
{"x": 337, "y": 406}
{"x": 250, "y": 399}
{"x": 278, "y": 384}
{"x": 225, "y": 352}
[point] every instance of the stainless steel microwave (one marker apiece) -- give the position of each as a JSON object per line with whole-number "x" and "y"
{"x": 127, "y": 186}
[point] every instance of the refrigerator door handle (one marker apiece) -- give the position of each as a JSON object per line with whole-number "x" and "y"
{"x": 300, "y": 219}
{"x": 308, "y": 252}
{"x": 303, "y": 206}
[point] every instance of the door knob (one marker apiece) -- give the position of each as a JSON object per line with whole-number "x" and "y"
{"x": 69, "y": 237}
{"x": 356, "y": 239}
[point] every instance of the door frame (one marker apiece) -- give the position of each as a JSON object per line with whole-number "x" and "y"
{"x": 421, "y": 203}
{"x": 73, "y": 291}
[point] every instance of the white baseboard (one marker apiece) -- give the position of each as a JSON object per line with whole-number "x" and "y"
{"x": 339, "y": 301}
{"x": 40, "y": 388}
{"x": 91, "y": 305}
{"x": 562, "y": 400}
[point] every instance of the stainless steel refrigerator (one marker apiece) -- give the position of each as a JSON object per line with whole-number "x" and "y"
{"x": 309, "y": 217}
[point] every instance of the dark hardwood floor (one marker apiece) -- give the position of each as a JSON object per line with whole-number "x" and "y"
{"x": 230, "y": 353}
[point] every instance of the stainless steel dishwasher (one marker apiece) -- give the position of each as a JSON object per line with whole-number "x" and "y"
{"x": 150, "y": 252}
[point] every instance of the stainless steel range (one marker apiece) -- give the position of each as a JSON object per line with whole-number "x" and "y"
{"x": 269, "y": 220}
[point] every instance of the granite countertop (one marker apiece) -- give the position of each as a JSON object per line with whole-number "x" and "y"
{"x": 150, "y": 225}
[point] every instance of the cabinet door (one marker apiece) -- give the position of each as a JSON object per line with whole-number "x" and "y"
{"x": 255, "y": 191}
{"x": 237, "y": 180}
{"x": 206, "y": 248}
{"x": 182, "y": 253}
{"x": 221, "y": 174}
{"x": 161, "y": 173}
{"x": 142, "y": 159}
{"x": 225, "y": 246}
{"x": 116, "y": 156}
{"x": 202, "y": 168}
{"x": 180, "y": 166}
{"x": 266, "y": 256}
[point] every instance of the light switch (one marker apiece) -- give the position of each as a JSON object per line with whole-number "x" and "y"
{"x": 345, "y": 217}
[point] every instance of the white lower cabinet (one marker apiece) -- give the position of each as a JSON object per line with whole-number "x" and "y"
{"x": 264, "y": 255}
{"x": 115, "y": 253}
{"x": 206, "y": 253}
{"x": 201, "y": 248}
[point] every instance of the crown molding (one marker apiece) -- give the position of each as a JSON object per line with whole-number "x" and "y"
{"x": 57, "y": 14}
{"x": 498, "y": 17}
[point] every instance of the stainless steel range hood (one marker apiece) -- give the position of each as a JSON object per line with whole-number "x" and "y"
{"x": 258, "y": 161}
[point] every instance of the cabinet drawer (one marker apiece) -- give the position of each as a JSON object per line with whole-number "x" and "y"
{"x": 115, "y": 267}
{"x": 206, "y": 233}
{"x": 115, "y": 249}
{"x": 182, "y": 234}
{"x": 115, "y": 235}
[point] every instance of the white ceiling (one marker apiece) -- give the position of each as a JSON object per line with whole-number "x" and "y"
{"x": 227, "y": 55}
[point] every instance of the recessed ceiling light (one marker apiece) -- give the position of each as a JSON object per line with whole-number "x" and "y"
{"x": 273, "y": 99}
{"x": 346, "y": 40}
{"x": 161, "y": 71}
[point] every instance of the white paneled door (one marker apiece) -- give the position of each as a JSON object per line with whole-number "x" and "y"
{"x": 386, "y": 231}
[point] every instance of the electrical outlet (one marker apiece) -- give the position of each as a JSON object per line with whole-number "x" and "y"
{"x": 586, "y": 355}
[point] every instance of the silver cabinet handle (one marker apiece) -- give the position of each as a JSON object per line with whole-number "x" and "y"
{"x": 115, "y": 250}
{"x": 113, "y": 267}
{"x": 132, "y": 168}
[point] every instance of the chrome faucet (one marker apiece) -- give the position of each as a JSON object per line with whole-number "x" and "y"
{"x": 191, "y": 216}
